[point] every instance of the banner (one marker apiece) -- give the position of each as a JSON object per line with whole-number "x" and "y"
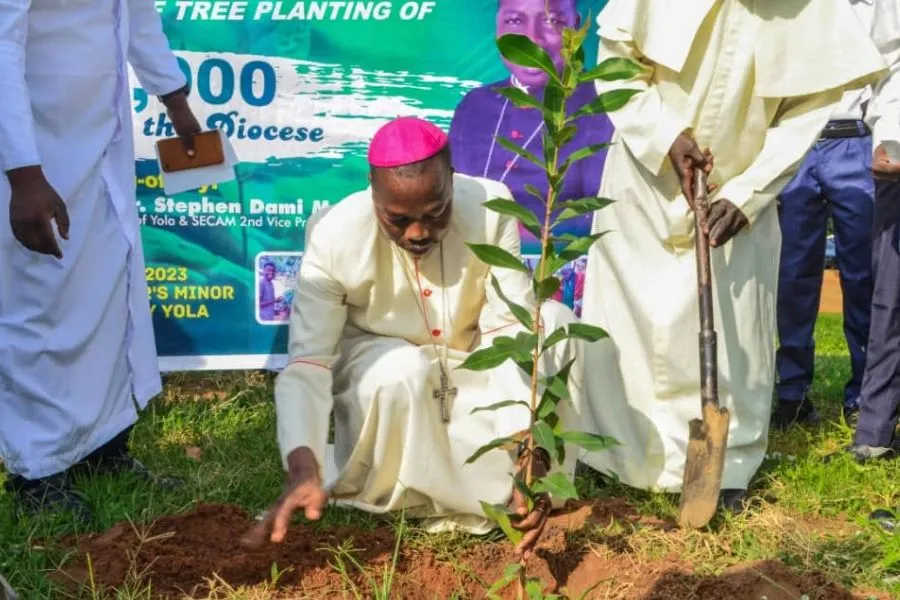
{"x": 299, "y": 88}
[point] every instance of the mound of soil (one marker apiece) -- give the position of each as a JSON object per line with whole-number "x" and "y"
{"x": 180, "y": 555}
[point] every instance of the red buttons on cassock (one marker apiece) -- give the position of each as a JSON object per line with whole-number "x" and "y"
{"x": 426, "y": 293}
{"x": 435, "y": 332}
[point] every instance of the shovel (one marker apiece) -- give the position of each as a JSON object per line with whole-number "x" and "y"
{"x": 708, "y": 436}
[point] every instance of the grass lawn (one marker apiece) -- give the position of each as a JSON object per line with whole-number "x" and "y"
{"x": 217, "y": 432}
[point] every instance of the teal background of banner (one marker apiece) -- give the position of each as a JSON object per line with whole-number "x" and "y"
{"x": 453, "y": 48}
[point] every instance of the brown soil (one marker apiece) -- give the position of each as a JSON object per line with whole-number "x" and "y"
{"x": 832, "y": 299}
{"x": 180, "y": 555}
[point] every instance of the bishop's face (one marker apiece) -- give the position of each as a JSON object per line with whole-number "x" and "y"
{"x": 542, "y": 21}
{"x": 414, "y": 212}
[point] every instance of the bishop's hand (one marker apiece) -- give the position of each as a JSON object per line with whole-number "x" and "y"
{"x": 686, "y": 156}
{"x": 725, "y": 221}
{"x": 532, "y": 522}
{"x": 33, "y": 204}
{"x": 303, "y": 492}
{"x": 883, "y": 167}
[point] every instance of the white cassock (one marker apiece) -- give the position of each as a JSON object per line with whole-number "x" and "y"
{"x": 360, "y": 345}
{"x": 755, "y": 81}
{"x": 76, "y": 338}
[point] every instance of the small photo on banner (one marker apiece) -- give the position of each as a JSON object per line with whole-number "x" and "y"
{"x": 571, "y": 281}
{"x": 276, "y": 280}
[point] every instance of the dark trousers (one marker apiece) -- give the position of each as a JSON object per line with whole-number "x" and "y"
{"x": 835, "y": 179}
{"x": 881, "y": 383}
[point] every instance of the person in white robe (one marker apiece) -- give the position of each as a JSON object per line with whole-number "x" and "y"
{"x": 752, "y": 83}
{"x": 389, "y": 303}
{"x": 77, "y": 353}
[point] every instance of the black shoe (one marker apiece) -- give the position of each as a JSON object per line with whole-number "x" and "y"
{"x": 851, "y": 415}
{"x": 6, "y": 591}
{"x": 49, "y": 494}
{"x": 885, "y": 518}
{"x": 789, "y": 414}
{"x": 733, "y": 501}
{"x": 865, "y": 454}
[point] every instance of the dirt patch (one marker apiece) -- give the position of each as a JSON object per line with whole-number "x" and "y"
{"x": 180, "y": 555}
{"x": 832, "y": 300}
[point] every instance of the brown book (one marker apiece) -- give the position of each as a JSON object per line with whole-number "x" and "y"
{"x": 208, "y": 151}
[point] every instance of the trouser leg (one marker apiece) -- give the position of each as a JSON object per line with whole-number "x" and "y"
{"x": 881, "y": 380}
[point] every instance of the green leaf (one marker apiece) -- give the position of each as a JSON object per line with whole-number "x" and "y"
{"x": 514, "y": 209}
{"x": 557, "y": 485}
{"x": 505, "y": 443}
{"x": 611, "y": 69}
{"x": 576, "y": 208}
{"x": 520, "y": 348}
{"x": 520, "y": 50}
{"x": 588, "y": 333}
{"x": 558, "y": 383}
{"x": 515, "y": 149}
{"x": 518, "y": 311}
{"x": 546, "y": 407}
{"x": 485, "y": 359}
{"x": 510, "y": 574}
{"x": 565, "y": 135}
{"x": 520, "y": 98}
{"x": 589, "y": 441}
{"x": 535, "y": 192}
{"x": 557, "y": 335}
{"x": 584, "y": 152}
{"x": 497, "y": 257}
{"x": 554, "y": 103}
{"x": 512, "y": 147}
{"x": 499, "y": 515}
{"x": 534, "y": 590}
{"x": 581, "y": 246}
{"x": 581, "y": 331}
{"x": 606, "y": 102}
{"x": 544, "y": 438}
{"x": 499, "y": 405}
{"x": 545, "y": 288}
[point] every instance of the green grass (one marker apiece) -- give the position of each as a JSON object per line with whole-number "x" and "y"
{"x": 811, "y": 518}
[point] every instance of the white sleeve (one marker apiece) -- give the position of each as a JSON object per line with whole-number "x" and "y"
{"x": 884, "y": 109}
{"x": 18, "y": 147}
{"x": 148, "y": 50}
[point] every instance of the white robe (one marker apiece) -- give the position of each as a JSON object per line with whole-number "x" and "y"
{"x": 754, "y": 80}
{"x": 76, "y": 338}
{"x": 360, "y": 346}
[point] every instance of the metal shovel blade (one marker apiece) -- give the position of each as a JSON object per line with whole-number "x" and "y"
{"x": 708, "y": 437}
{"x": 703, "y": 469}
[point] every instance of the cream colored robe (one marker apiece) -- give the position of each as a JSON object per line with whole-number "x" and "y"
{"x": 755, "y": 81}
{"x": 359, "y": 345}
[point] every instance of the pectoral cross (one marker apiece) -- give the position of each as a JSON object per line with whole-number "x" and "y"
{"x": 445, "y": 395}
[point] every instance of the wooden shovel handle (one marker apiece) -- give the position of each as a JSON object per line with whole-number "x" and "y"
{"x": 708, "y": 366}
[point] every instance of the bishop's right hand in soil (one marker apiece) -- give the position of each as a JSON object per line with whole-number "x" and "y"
{"x": 303, "y": 492}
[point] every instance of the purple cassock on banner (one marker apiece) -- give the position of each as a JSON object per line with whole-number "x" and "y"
{"x": 484, "y": 114}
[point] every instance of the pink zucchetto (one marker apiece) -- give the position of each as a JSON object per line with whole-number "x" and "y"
{"x": 404, "y": 141}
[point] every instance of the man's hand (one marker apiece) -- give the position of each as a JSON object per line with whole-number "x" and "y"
{"x": 32, "y": 205}
{"x": 533, "y": 522}
{"x": 882, "y": 165}
{"x": 686, "y": 156}
{"x": 725, "y": 221}
{"x": 304, "y": 492}
{"x": 183, "y": 120}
